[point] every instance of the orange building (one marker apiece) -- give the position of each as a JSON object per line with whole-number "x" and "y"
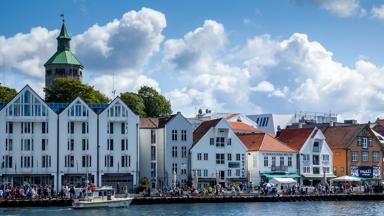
{"x": 356, "y": 151}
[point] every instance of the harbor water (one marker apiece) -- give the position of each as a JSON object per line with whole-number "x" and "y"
{"x": 350, "y": 208}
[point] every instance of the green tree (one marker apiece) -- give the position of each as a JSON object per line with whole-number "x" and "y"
{"x": 156, "y": 105}
{"x": 6, "y": 94}
{"x": 65, "y": 90}
{"x": 134, "y": 102}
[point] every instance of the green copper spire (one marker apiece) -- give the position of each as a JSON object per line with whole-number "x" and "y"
{"x": 63, "y": 54}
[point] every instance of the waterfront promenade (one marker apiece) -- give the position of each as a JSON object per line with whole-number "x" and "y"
{"x": 139, "y": 200}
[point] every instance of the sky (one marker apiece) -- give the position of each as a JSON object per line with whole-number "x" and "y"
{"x": 245, "y": 56}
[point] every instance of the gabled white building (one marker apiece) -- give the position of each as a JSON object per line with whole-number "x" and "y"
{"x": 28, "y": 141}
{"x": 118, "y": 145}
{"x": 315, "y": 155}
{"x": 77, "y": 144}
{"x": 268, "y": 158}
{"x": 269, "y": 123}
{"x": 164, "y": 148}
{"x": 217, "y": 155}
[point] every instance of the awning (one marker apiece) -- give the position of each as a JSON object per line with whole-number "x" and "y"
{"x": 281, "y": 175}
{"x": 318, "y": 176}
{"x": 282, "y": 181}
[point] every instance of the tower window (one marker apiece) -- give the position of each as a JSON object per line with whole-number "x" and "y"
{"x": 49, "y": 72}
{"x": 60, "y": 71}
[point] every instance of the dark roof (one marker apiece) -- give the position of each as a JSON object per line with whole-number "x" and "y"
{"x": 295, "y": 137}
{"x": 263, "y": 142}
{"x": 203, "y": 128}
{"x": 59, "y": 107}
{"x": 341, "y": 136}
{"x": 155, "y": 122}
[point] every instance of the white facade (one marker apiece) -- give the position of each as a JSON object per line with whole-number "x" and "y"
{"x": 28, "y": 141}
{"x": 316, "y": 157}
{"x": 269, "y": 123}
{"x": 218, "y": 154}
{"x": 164, "y": 151}
{"x": 77, "y": 144}
{"x": 118, "y": 145}
{"x": 260, "y": 162}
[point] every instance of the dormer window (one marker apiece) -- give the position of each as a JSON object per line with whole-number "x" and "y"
{"x": 364, "y": 142}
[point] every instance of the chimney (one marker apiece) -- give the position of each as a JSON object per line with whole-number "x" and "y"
{"x": 300, "y": 125}
{"x": 278, "y": 132}
{"x": 332, "y": 124}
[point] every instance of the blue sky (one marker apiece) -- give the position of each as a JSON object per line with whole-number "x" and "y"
{"x": 229, "y": 56}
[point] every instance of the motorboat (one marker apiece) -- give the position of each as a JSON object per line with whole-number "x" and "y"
{"x": 103, "y": 197}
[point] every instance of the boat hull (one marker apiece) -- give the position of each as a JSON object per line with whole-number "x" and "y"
{"x": 116, "y": 203}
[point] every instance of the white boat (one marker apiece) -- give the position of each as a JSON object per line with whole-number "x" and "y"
{"x": 102, "y": 198}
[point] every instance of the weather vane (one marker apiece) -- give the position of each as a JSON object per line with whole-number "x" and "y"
{"x": 62, "y": 17}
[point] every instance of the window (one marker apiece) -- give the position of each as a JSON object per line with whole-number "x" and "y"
{"x": 365, "y": 143}
{"x": 7, "y": 161}
{"x": 153, "y": 153}
{"x": 306, "y": 157}
{"x": 229, "y": 142}
{"x": 44, "y": 144}
{"x": 110, "y": 144}
{"x": 153, "y": 136}
{"x": 124, "y": 161}
{"x": 220, "y": 141}
{"x": 84, "y": 127}
{"x": 316, "y": 146}
{"x": 124, "y": 145}
{"x": 153, "y": 170}
{"x": 184, "y": 171}
{"x": 84, "y": 144}
{"x": 205, "y": 156}
{"x": 198, "y": 156}
{"x": 174, "y": 135}
{"x": 26, "y": 144}
{"x": 212, "y": 141}
{"x": 315, "y": 159}
{"x": 306, "y": 169}
{"x": 9, "y": 128}
{"x": 124, "y": 128}
{"x": 44, "y": 127}
{"x": 27, "y": 127}
{"x": 205, "y": 173}
{"x": 365, "y": 156}
{"x": 325, "y": 157}
{"x": 375, "y": 157}
{"x": 281, "y": 161}
{"x": 316, "y": 170}
{"x": 229, "y": 173}
{"x": 69, "y": 161}
{"x": 273, "y": 161}
{"x": 198, "y": 172}
{"x": 110, "y": 128}
{"x": 265, "y": 161}
{"x": 8, "y": 144}
{"x": 174, "y": 167}
{"x": 71, "y": 127}
{"x": 325, "y": 169}
{"x": 238, "y": 157}
{"x": 174, "y": 151}
{"x": 26, "y": 162}
{"x": 220, "y": 159}
{"x": 108, "y": 161}
{"x": 355, "y": 156}
{"x": 86, "y": 161}
{"x": 183, "y": 152}
{"x": 229, "y": 155}
{"x": 184, "y": 135}
{"x": 237, "y": 172}
{"x": 290, "y": 161}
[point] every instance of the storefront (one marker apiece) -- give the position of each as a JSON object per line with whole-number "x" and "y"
{"x": 119, "y": 181}
{"x": 21, "y": 179}
{"x": 265, "y": 177}
{"x": 366, "y": 172}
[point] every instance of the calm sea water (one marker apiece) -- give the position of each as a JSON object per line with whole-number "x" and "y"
{"x": 222, "y": 209}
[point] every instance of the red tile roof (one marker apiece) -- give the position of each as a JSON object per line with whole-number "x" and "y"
{"x": 341, "y": 136}
{"x": 295, "y": 137}
{"x": 155, "y": 122}
{"x": 203, "y": 128}
{"x": 232, "y": 115}
{"x": 380, "y": 122}
{"x": 263, "y": 142}
{"x": 241, "y": 126}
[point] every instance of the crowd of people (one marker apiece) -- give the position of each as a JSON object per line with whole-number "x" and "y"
{"x": 26, "y": 192}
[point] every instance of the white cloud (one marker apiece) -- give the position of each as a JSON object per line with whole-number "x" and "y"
{"x": 342, "y": 8}
{"x": 378, "y": 12}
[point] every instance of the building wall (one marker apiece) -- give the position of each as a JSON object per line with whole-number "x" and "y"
{"x": 65, "y": 136}
{"x": 223, "y": 129}
{"x": 339, "y": 161}
{"x": 118, "y": 115}
{"x": 177, "y": 123}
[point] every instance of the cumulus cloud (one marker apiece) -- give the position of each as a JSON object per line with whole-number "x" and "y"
{"x": 342, "y": 8}
{"x": 378, "y": 12}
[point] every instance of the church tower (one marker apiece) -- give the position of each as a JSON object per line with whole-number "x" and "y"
{"x": 63, "y": 63}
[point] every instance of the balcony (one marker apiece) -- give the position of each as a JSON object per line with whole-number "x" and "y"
{"x": 279, "y": 168}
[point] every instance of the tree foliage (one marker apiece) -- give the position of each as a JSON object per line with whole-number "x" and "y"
{"x": 147, "y": 102}
{"x": 65, "y": 90}
{"x": 134, "y": 102}
{"x": 6, "y": 94}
